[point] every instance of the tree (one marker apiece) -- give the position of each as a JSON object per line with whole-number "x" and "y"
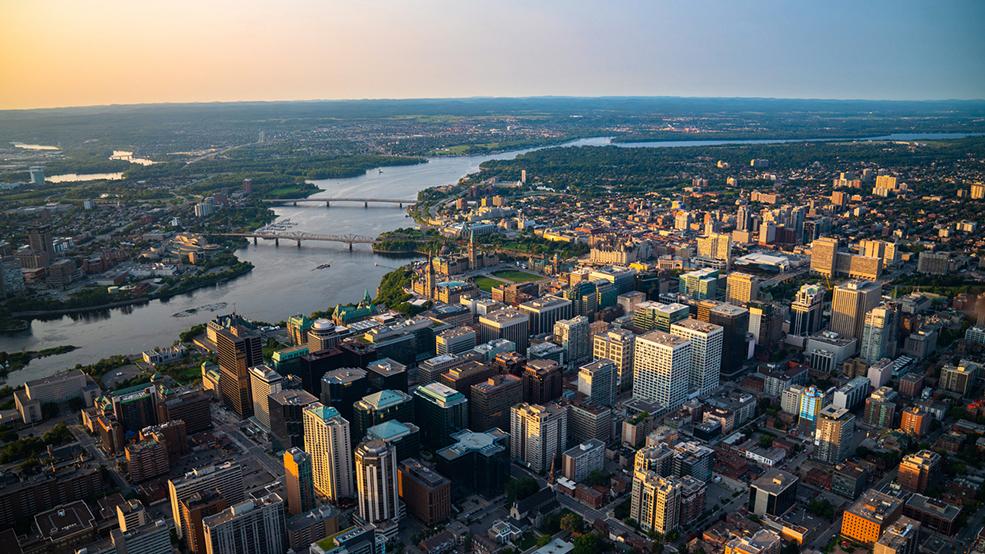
{"x": 589, "y": 543}
{"x": 518, "y": 489}
{"x": 572, "y": 523}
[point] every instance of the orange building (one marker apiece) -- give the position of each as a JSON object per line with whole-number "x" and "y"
{"x": 869, "y": 516}
{"x": 914, "y": 420}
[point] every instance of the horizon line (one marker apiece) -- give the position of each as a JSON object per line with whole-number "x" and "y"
{"x": 479, "y": 97}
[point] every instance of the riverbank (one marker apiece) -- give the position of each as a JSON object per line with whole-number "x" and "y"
{"x": 14, "y": 361}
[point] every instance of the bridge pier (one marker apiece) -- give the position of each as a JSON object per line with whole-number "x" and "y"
{"x": 366, "y": 205}
{"x": 295, "y": 204}
{"x": 350, "y": 247}
{"x": 299, "y": 243}
{"x": 254, "y": 241}
{"x": 276, "y": 241}
{"x": 328, "y": 204}
{"x": 401, "y": 205}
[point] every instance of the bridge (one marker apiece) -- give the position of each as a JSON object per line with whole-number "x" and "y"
{"x": 328, "y": 201}
{"x": 298, "y": 236}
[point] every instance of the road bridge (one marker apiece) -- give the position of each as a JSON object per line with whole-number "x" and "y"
{"x": 328, "y": 201}
{"x": 298, "y": 236}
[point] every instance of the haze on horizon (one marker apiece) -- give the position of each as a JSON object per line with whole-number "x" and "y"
{"x": 66, "y": 53}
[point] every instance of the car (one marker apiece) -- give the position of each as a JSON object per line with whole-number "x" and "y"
{"x": 119, "y": 374}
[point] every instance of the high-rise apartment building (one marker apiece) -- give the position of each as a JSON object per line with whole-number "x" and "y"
{"x": 508, "y": 323}
{"x": 741, "y": 288}
{"x": 850, "y": 303}
{"x": 918, "y": 471}
{"x": 376, "y": 481}
{"x": 655, "y": 502}
{"x": 239, "y": 349}
{"x": 661, "y": 368}
{"x": 257, "y": 526}
{"x": 327, "y": 440}
{"x": 538, "y": 434}
{"x": 833, "y": 436}
{"x": 824, "y": 256}
{"x": 880, "y": 408}
{"x": 885, "y": 251}
{"x": 706, "y": 353}
{"x": 655, "y": 315}
{"x": 806, "y": 310}
{"x": 879, "y": 333}
{"x": 193, "y": 509}
{"x": 299, "y": 481}
{"x": 597, "y": 381}
{"x": 264, "y": 381}
{"x": 617, "y": 346}
{"x": 227, "y": 478}
{"x": 573, "y": 336}
{"x": 716, "y": 246}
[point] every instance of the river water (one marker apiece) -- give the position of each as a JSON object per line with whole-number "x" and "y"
{"x": 284, "y": 279}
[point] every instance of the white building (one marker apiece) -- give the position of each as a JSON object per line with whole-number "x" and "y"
{"x": 538, "y": 434}
{"x": 264, "y": 381}
{"x": 706, "y": 353}
{"x": 661, "y": 368}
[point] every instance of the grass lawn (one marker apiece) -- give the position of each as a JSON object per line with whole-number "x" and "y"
{"x": 486, "y": 283}
{"x": 517, "y": 276}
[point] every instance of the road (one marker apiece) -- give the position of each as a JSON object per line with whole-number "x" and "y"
{"x": 89, "y": 444}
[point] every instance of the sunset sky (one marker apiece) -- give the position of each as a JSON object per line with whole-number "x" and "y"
{"x": 70, "y": 52}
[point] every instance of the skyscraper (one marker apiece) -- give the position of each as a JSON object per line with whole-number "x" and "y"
{"x": 661, "y": 368}
{"x": 597, "y": 381}
{"x": 617, "y": 346}
{"x": 379, "y": 407}
{"x": 299, "y": 481}
{"x": 227, "y": 478}
{"x": 257, "y": 526}
{"x": 239, "y": 349}
{"x": 326, "y": 439}
{"x": 833, "y": 436}
{"x": 741, "y": 288}
{"x": 544, "y": 312}
{"x": 322, "y": 335}
{"x": 879, "y": 333}
{"x": 492, "y": 399}
{"x": 193, "y": 509}
{"x": 376, "y": 480}
{"x": 806, "y": 310}
{"x": 538, "y": 434}
{"x": 849, "y": 305}
{"x": 706, "y": 353}
{"x": 824, "y": 256}
{"x": 440, "y": 411}
{"x": 734, "y": 321}
{"x": 543, "y": 381}
{"x": 509, "y": 324}
{"x": 655, "y": 501}
{"x": 264, "y": 381}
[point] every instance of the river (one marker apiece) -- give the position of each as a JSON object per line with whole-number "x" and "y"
{"x": 284, "y": 279}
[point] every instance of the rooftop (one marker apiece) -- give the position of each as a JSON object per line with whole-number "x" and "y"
{"x": 775, "y": 481}
{"x": 697, "y": 325}
{"x": 384, "y": 399}
{"x": 666, "y": 339}
{"x": 875, "y": 506}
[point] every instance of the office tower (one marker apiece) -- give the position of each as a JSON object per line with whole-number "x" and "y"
{"x": 851, "y": 394}
{"x": 297, "y": 329}
{"x": 699, "y": 284}
{"x": 655, "y": 502}
{"x": 918, "y": 471}
{"x": 509, "y": 324}
{"x": 135, "y": 408}
{"x": 172, "y": 435}
{"x": 42, "y": 243}
{"x": 426, "y": 494}
{"x": 456, "y": 340}
{"x": 378, "y": 501}
{"x": 152, "y": 538}
{"x": 322, "y": 335}
{"x": 579, "y": 461}
{"x": 597, "y": 381}
{"x": 440, "y": 411}
{"x": 538, "y": 434}
{"x": 466, "y": 373}
{"x": 327, "y": 440}
{"x": 806, "y": 310}
{"x": 866, "y": 519}
{"x": 378, "y": 407}
{"x": 661, "y": 368}
{"x": 264, "y": 381}
{"x": 573, "y": 336}
{"x": 773, "y": 493}
{"x": 491, "y": 400}
{"x": 286, "y": 410}
{"x": 299, "y": 481}
{"x": 193, "y": 510}
{"x": 824, "y": 256}
{"x": 227, "y": 478}
{"x": 900, "y": 537}
{"x": 404, "y": 436}
{"x": 478, "y": 462}
{"x": 977, "y": 191}
{"x": 543, "y": 381}
{"x": 131, "y": 514}
{"x": 655, "y": 315}
{"x": 880, "y": 408}
{"x": 833, "y": 436}
{"x": 545, "y": 311}
{"x": 741, "y": 288}
{"x": 734, "y": 321}
{"x": 257, "y": 526}
{"x": 587, "y": 420}
{"x": 191, "y": 406}
{"x": 341, "y": 388}
{"x": 430, "y": 370}
{"x": 849, "y": 305}
{"x": 885, "y": 251}
{"x": 617, "y": 346}
{"x": 766, "y": 324}
{"x": 239, "y": 349}
{"x": 384, "y": 374}
{"x": 706, "y": 353}
{"x": 879, "y": 330}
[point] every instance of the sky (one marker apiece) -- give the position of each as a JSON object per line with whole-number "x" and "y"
{"x": 70, "y": 53}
